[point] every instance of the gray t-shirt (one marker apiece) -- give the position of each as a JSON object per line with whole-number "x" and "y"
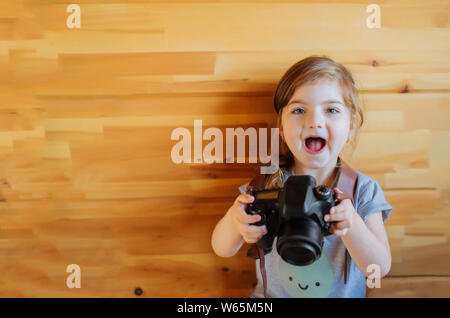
{"x": 325, "y": 277}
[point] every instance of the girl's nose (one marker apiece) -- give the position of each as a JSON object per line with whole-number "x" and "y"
{"x": 316, "y": 120}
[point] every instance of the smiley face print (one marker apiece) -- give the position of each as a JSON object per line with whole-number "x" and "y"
{"x": 311, "y": 281}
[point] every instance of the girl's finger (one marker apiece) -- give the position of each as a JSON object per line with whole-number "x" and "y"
{"x": 255, "y": 229}
{"x": 341, "y": 225}
{"x": 243, "y": 217}
{"x": 338, "y": 208}
{"x": 255, "y": 232}
{"x": 340, "y": 232}
{"x": 244, "y": 199}
{"x": 250, "y": 240}
{"x": 263, "y": 230}
{"x": 335, "y": 217}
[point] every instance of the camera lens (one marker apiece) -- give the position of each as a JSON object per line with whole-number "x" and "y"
{"x": 298, "y": 253}
{"x": 300, "y": 242}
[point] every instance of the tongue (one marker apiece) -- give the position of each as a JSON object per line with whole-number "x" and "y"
{"x": 314, "y": 144}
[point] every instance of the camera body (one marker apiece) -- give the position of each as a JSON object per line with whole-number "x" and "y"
{"x": 294, "y": 214}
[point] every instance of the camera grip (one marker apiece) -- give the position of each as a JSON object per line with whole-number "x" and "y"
{"x": 338, "y": 196}
{"x": 252, "y": 210}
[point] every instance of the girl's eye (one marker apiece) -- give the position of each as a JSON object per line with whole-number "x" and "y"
{"x": 333, "y": 110}
{"x": 298, "y": 111}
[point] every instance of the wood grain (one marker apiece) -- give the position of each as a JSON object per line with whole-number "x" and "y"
{"x": 86, "y": 117}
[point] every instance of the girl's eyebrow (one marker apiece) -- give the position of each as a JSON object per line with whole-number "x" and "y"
{"x": 328, "y": 101}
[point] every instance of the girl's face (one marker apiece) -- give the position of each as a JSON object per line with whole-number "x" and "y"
{"x": 315, "y": 124}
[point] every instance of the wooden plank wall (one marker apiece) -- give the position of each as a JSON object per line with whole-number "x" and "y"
{"x": 86, "y": 117}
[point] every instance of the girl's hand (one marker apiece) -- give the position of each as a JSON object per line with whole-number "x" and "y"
{"x": 343, "y": 214}
{"x": 241, "y": 220}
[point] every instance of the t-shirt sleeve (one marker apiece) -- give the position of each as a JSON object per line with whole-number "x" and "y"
{"x": 371, "y": 199}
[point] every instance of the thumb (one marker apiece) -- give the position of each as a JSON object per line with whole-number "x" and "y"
{"x": 336, "y": 189}
{"x": 340, "y": 196}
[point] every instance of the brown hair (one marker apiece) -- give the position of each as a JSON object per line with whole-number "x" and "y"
{"x": 306, "y": 71}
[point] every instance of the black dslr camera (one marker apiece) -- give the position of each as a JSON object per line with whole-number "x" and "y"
{"x": 295, "y": 215}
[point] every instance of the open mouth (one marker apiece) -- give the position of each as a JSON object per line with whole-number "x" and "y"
{"x": 315, "y": 145}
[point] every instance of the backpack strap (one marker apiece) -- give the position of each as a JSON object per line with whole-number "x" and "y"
{"x": 345, "y": 180}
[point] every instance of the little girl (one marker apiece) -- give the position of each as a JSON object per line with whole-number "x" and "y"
{"x": 318, "y": 113}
